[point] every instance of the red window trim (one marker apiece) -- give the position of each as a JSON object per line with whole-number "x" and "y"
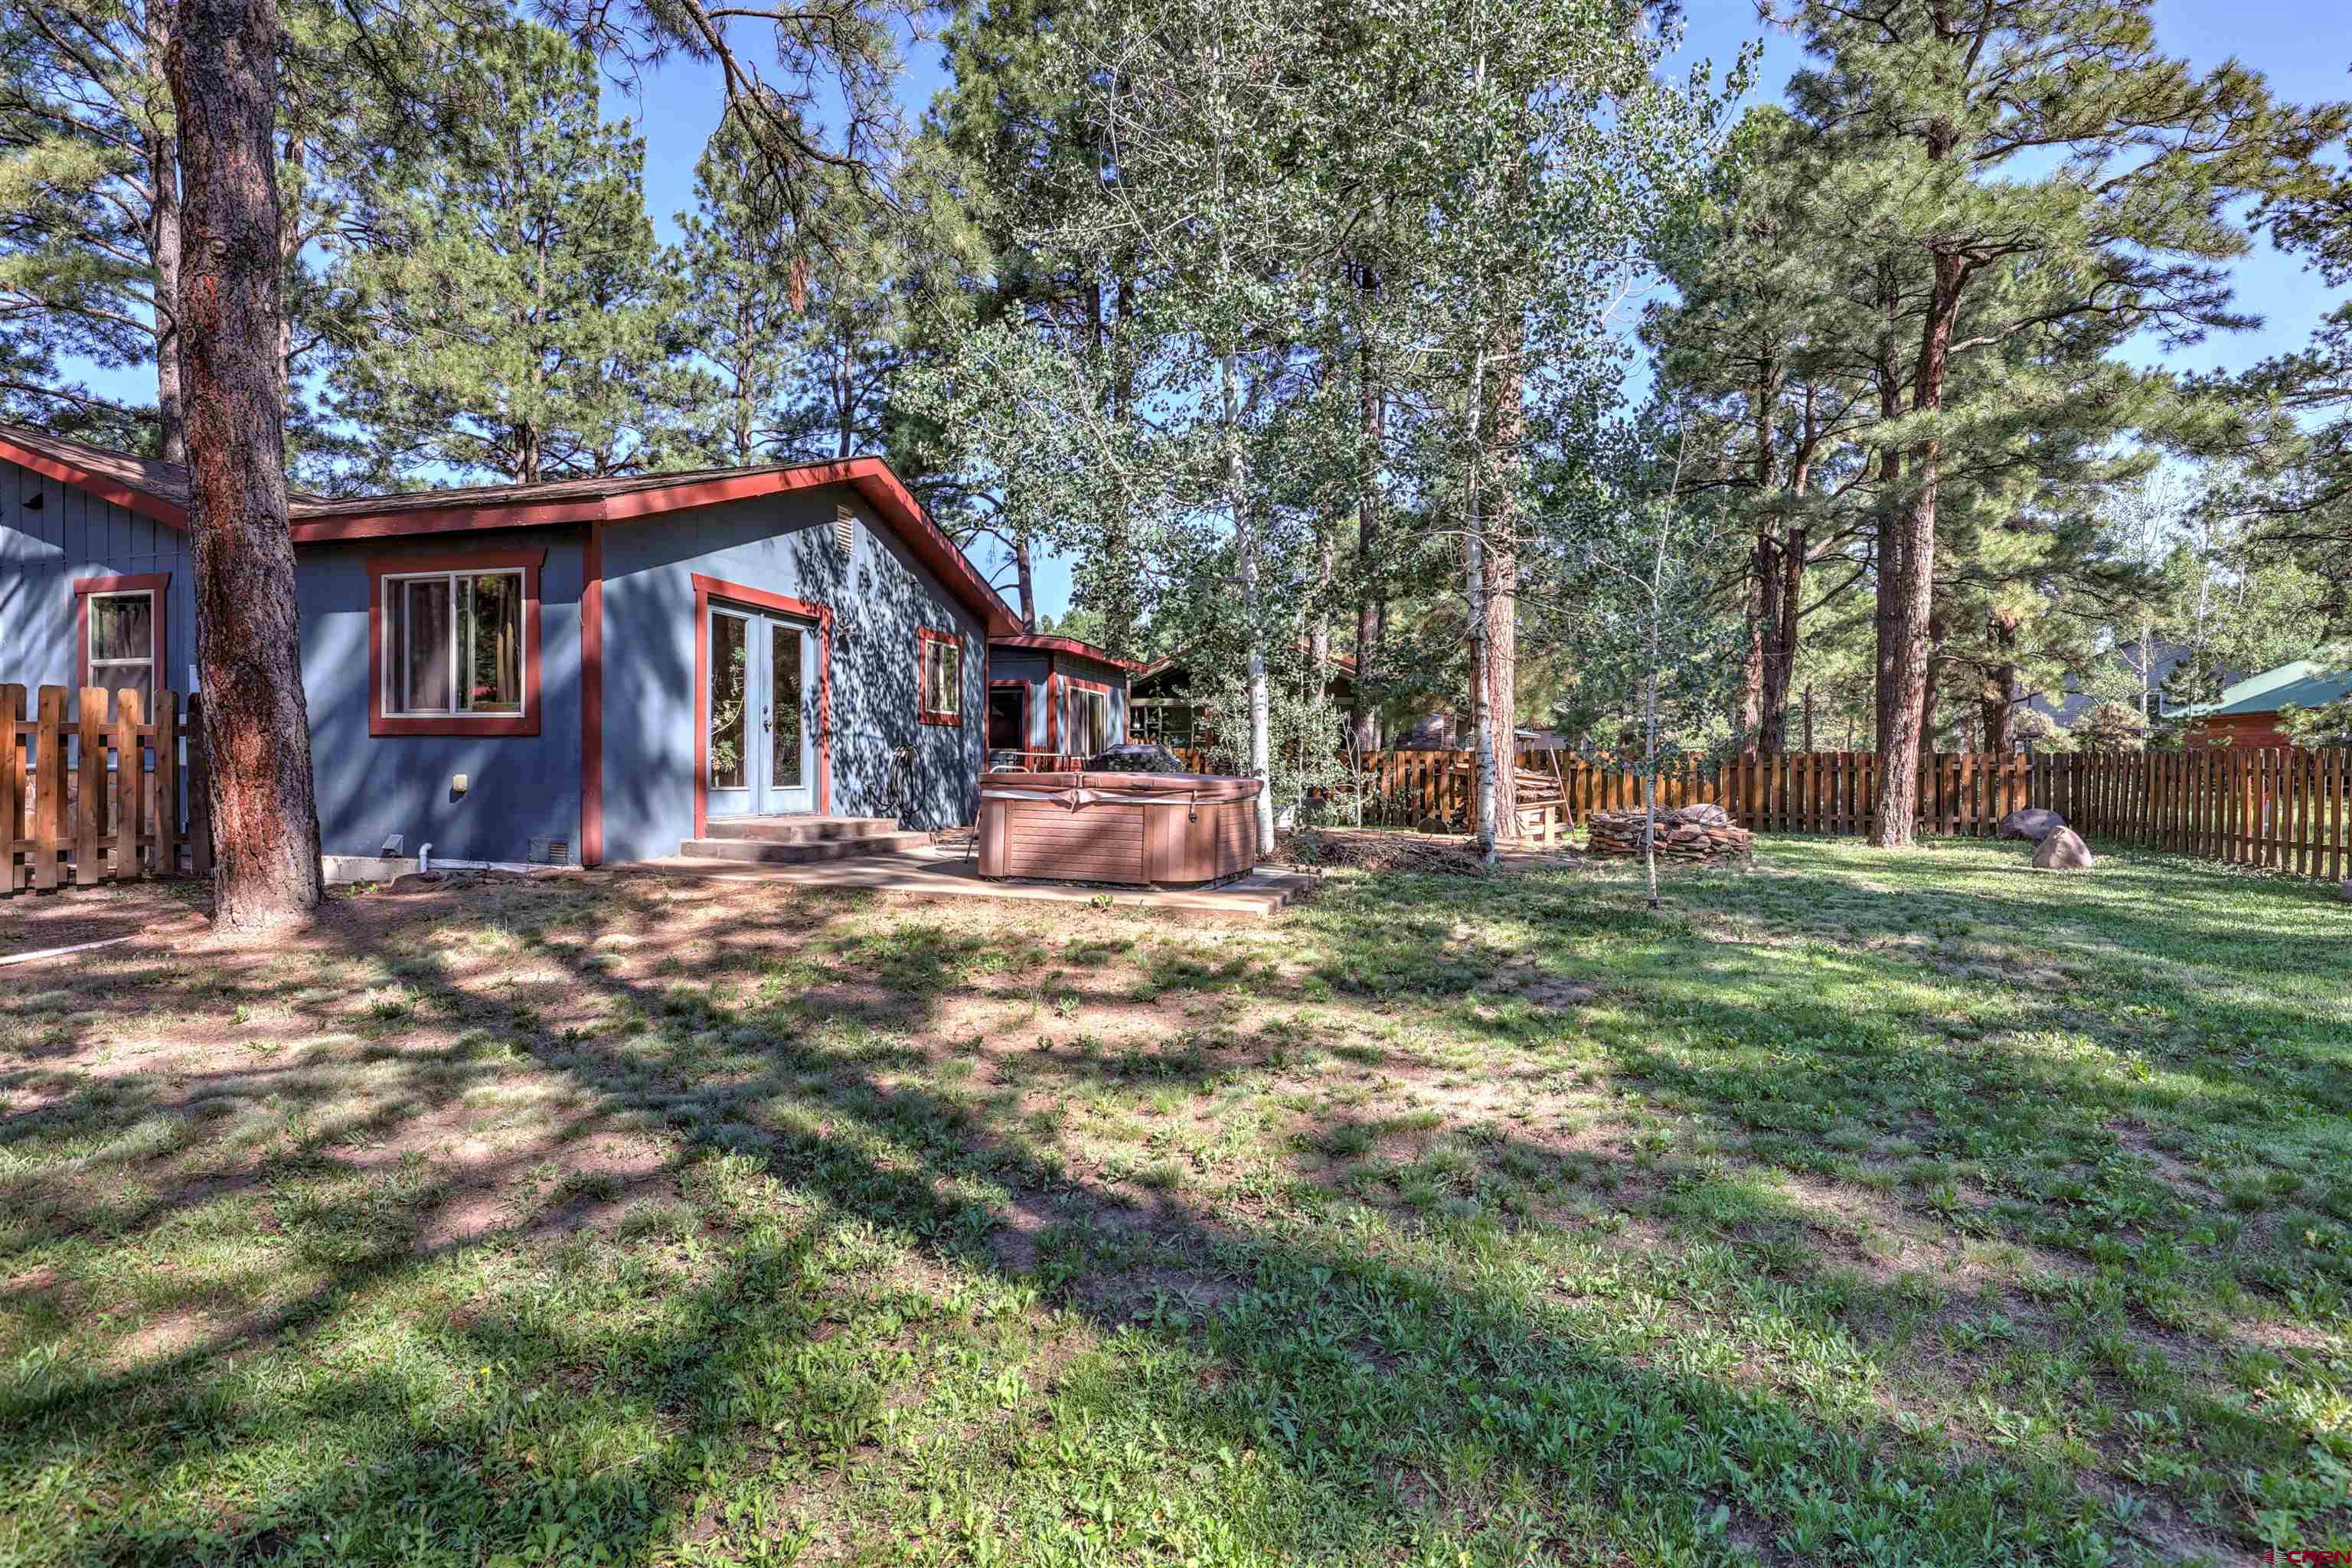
{"x": 156, "y": 584}
{"x": 1079, "y": 683}
{"x": 1023, "y": 688}
{"x": 924, "y": 637}
{"x": 708, "y": 588}
{"x": 526, "y": 722}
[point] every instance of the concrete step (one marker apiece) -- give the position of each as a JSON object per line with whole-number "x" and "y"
{"x": 766, "y": 852}
{"x": 801, "y": 829}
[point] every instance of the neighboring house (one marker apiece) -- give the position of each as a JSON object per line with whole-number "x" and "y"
{"x": 606, "y": 664}
{"x": 2072, "y": 702}
{"x": 1056, "y": 695}
{"x": 2247, "y": 714}
{"x": 1167, "y": 709}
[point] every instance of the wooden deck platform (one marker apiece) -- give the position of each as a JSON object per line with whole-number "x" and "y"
{"x": 941, "y": 873}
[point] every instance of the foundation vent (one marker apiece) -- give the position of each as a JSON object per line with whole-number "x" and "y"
{"x": 844, "y": 530}
{"x": 550, "y": 852}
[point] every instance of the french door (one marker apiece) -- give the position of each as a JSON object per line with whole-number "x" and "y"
{"x": 762, "y": 713}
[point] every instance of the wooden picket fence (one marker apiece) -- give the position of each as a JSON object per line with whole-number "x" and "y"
{"x": 65, "y": 817}
{"x": 2285, "y": 810}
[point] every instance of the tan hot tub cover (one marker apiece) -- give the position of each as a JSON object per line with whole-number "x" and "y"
{"x": 1174, "y": 830}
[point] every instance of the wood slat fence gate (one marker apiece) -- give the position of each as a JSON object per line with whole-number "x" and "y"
{"x": 100, "y": 789}
{"x": 2280, "y": 809}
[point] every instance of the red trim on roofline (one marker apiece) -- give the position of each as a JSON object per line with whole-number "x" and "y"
{"x": 105, "y": 487}
{"x": 870, "y": 477}
{"x": 1071, "y": 645}
{"x": 330, "y": 522}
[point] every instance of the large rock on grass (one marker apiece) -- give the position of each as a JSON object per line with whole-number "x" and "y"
{"x": 2034, "y": 824}
{"x": 2064, "y": 850}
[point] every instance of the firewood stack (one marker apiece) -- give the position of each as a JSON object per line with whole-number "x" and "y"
{"x": 1685, "y": 832}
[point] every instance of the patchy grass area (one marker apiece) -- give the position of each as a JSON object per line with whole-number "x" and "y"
{"x": 1867, "y": 1209}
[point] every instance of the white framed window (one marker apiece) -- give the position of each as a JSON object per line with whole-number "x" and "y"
{"x": 454, "y": 644}
{"x": 121, "y": 651}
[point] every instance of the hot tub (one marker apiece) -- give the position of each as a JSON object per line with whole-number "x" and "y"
{"x": 1176, "y": 830}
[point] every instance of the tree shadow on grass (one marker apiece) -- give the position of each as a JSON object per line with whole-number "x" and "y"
{"x": 1316, "y": 1379}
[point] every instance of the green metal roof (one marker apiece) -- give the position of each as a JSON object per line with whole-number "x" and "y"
{"x": 2302, "y": 684}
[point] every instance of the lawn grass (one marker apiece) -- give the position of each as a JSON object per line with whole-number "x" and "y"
{"x": 1875, "y": 1208}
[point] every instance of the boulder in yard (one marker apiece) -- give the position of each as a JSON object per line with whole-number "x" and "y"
{"x": 2033, "y": 824}
{"x": 2064, "y": 850}
{"x": 2345, "y": 892}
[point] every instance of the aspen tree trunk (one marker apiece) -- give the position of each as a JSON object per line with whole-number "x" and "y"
{"x": 1245, "y": 545}
{"x": 222, "y": 70}
{"x": 1372, "y": 608}
{"x": 1474, "y": 572}
{"x": 1506, "y": 427}
{"x": 1027, "y": 577}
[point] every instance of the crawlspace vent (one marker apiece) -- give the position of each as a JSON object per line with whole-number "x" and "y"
{"x": 550, "y": 852}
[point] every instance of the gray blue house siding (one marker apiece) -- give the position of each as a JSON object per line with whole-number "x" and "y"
{"x": 1072, "y": 668}
{"x": 72, "y": 534}
{"x": 1035, "y": 669}
{"x": 781, "y": 544}
{"x": 654, "y": 539}
{"x": 518, "y": 787}
{"x": 1027, "y": 666}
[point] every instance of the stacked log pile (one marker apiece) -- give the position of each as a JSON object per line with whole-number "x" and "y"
{"x": 1685, "y": 832}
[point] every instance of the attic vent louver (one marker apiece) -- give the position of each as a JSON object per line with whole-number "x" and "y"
{"x": 844, "y": 530}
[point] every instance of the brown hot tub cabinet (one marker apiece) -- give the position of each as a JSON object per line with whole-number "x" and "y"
{"x": 1148, "y": 829}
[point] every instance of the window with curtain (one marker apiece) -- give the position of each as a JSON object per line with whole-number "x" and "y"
{"x": 455, "y": 644}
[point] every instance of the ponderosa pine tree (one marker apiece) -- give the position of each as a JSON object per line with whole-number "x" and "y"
{"x": 514, "y": 319}
{"x": 90, "y": 199}
{"x": 2044, "y": 143}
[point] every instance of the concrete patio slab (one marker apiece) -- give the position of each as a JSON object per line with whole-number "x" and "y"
{"x": 933, "y": 873}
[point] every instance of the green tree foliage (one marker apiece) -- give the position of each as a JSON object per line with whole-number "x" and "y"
{"x": 2016, "y": 187}
{"x": 89, "y": 190}
{"x": 515, "y": 318}
{"x": 2328, "y": 724}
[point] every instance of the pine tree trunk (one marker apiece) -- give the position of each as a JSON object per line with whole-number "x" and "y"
{"x": 1903, "y": 599}
{"x": 164, "y": 245}
{"x": 1751, "y": 664}
{"x": 222, "y": 66}
{"x": 1994, "y": 708}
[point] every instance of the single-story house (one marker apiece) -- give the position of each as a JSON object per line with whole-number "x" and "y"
{"x": 2247, "y": 714}
{"x": 1168, "y": 707}
{"x": 1055, "y": 696}
{"x": 593, "y": 668}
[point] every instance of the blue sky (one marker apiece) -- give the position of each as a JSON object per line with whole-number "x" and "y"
{"x": 2303, "y": 47}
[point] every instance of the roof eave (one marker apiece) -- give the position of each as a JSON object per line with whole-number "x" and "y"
{"x": 105, "y": 487}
